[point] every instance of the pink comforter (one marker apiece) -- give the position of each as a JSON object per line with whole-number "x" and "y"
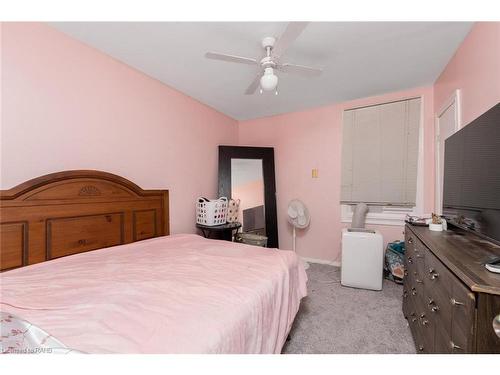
{"x": 176, "y": 294}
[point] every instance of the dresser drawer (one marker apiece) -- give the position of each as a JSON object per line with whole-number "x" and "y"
{"x": 438, "y": 281}
{"x": 420, "y": 252}
{"x": 410, "y": 241}
{"x": 414, "y": 253}
{"x": 451, "y": 306}
{"x": 418, "y": 284}
{"x": 411, "y": 294}
{"x": 415, "y": 290}
{"x": 415, "y": 267}
{"x": 426, "y": 326}
{"x": 413, "y": 322}
{"x": 410, "y": 259}
{"x": 442, "y": 341}
{"x": 410, "y": 255}
{"x": 437, "y": 312}
{"x": 463, "y": 317}
{"x": 488, "y": 307}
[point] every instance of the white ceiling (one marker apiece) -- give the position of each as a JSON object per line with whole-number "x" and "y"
{"x": 360, "y": 59}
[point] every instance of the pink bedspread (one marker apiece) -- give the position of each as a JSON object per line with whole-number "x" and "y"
{"x": 176, "y": 294}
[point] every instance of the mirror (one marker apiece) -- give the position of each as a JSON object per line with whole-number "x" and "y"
{"x": 247, "y": 186}
{"x": 247, "y": 173}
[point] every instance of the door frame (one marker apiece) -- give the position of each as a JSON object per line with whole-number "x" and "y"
{"x": 455, "y": 98}
{"x": 266, "y": 154}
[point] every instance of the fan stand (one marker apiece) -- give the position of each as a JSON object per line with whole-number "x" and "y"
{"x": 306, "y": 265}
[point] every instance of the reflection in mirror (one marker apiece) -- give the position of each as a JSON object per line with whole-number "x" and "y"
{"x": 247, "y": 185}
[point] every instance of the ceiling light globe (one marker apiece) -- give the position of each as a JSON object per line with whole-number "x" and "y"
{"x": 269, "y": 80}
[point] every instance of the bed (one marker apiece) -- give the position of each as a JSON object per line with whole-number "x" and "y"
{"x": 87, "y": 257}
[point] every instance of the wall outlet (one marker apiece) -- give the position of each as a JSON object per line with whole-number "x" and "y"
{"x": 315, "y": 173}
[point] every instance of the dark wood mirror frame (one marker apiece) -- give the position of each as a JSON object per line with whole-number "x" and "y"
{"x": 266, "y": 154}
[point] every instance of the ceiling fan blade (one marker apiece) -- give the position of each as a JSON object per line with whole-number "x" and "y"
{"x": 300, "y": 69}
{"x": 230, "y": 58}
{"x": 253, "y": 86}
{"x": 292, "y": 31}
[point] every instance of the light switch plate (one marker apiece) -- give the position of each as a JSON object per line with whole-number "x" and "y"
{"x": 315, "y": 173}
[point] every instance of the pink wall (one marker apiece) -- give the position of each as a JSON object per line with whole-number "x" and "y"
{"x": 65, "y": 105}
{"x": 312, "y": 139}
{"x": 68, "y": 106}
{"x": 475, "y": 70}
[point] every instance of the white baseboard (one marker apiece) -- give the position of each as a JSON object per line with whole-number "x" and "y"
{"x": 321, "y": 261}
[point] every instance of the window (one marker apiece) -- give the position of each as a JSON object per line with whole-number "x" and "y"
{"x": 380, "y": 157}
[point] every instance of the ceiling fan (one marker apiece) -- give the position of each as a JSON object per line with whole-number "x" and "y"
{"x": 267, "y": 79}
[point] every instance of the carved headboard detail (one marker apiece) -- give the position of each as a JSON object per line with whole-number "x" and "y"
{"x": 71, "y": 212}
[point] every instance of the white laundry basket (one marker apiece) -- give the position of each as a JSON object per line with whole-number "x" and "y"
{"x": 362, "y": 258}
{"x": 211, "y": 212}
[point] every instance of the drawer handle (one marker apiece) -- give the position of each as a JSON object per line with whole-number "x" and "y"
{"x": 431, "y": 270}
{"x": 434, "y": 276}
{"x": 455, "y": 302}
{"x": 410, "y": 240}
{"x": 423, "y": 320}
{"x": 454, "y": 346}
{"x": 434, "y": 307}
{"x": 496, "y": 325}
{"x": 414, "y": 319}
{"x": 420, "y": 348}
{"x": 410, "y": 260}
{"x": 420, "y": 256}
{"x": 413, "y": 291}
{"x": 82, "y": 242}
{"x": 406, "y": 273}
{"x": 418, "y": 281}
{"x": 405, "y": 294}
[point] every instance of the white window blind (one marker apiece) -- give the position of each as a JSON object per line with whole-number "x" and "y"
{"x": 380, "y": 154}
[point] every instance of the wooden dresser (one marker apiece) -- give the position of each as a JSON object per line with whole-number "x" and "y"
{"x": 449, "y": 298}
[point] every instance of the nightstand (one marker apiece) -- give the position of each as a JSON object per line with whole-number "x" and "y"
{"x": 222, "y": 232}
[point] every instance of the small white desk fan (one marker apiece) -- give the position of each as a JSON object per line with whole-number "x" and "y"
{"x": 298, "y": 216}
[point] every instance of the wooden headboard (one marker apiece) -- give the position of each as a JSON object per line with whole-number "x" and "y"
{"x": 71, "y": 212}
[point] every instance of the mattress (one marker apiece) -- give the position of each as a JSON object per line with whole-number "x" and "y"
{"x": 173, "y": 294}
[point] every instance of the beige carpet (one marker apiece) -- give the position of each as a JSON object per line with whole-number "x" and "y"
{"x": 336, "y": 319}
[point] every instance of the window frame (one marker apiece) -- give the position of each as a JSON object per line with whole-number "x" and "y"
{"x": 395, "y": 215}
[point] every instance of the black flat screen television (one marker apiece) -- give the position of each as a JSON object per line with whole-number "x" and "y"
{"x": 471, "y": 190}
